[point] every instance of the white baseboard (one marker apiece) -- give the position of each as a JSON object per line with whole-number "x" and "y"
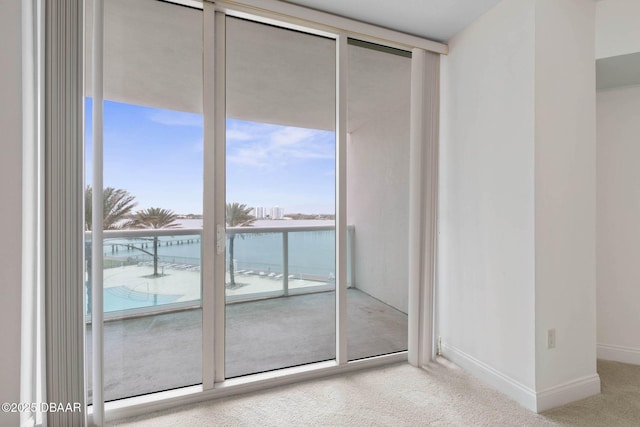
{"x": 568, "y": 392}
{"x": 619, "y": 353}
{"x": 534, "y": 401}
{"x": 501, "y": 382}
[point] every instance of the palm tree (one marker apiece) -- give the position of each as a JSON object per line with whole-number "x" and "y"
{"x": 117, "y": 207}
{"x": 155, "y": 218}
{"x": 237, "y": 216}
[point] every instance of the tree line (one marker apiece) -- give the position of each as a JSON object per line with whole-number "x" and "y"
{"x": 118, "y": 206}
{"x": 118, "y": 212}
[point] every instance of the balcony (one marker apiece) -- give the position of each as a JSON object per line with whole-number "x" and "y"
{"x": 283, "y": 288}
{"x": 281, "y": 141}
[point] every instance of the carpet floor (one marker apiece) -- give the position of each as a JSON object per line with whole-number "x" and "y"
{"x": 441, "y": 394}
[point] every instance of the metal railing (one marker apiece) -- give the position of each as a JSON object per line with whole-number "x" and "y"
{"x": 303, "y": 255}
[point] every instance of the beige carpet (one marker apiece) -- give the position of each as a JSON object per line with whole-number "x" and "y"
{"x": 617, "y": 405}
{"x": 400, "y": 395}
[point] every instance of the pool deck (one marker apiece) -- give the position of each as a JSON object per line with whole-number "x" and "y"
{"x": 184, "y": 280}
{"x": 162, "y": 351}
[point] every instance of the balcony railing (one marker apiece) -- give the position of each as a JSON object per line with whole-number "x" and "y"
{"x": 151, "y": 270}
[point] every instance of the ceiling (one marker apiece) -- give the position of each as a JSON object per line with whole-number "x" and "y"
{"x": 437, "y": 20}
{"x": 440, "y": 20}
{"x": 153, "y": 57}
{"x": 618, "y": 71}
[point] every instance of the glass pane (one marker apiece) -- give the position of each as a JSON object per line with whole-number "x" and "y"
{"x": 280, "y": 196}
{"x": 153, "y": 165}
{"x": 377, "y": 201}
{"x": 256, "y": 257}
{"x": 311, "y": 270}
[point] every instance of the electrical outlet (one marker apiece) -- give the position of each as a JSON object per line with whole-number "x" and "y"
{"x": 551, "y": 338}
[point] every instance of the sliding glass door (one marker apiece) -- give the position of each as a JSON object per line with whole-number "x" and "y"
{"x": 280, "y": 198}
{"x": 378, "y": 199}
{"x": 256, "y": 181}
{"x": 152, "y": 165}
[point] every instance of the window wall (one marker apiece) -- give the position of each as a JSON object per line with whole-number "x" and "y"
{"x": 152, "y": 168}
{"x": 280, "y": 168}
{"x": 377, "y": 198}
{"x": 264, "y": 171}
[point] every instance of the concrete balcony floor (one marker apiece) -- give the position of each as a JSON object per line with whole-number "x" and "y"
{"x": 164, "y": 351}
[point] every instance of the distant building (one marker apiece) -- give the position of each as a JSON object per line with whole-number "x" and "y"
{"x": 259, "y": 212}
{"x": 277, "y": 212}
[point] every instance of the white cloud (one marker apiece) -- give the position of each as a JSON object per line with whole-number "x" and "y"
{"x": 198, "y": 146}
{"x": 270, "y": 146}
{"x": 249, "y": 157}
{"x": 176, "y": 118}
{"x": 238, "y": 135}
{"x": 290, "y": 136}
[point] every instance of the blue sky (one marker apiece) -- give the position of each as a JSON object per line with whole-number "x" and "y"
{"x": 157, "y": 155}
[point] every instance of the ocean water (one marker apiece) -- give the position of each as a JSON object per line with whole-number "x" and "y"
{"x": 311, "y": 253}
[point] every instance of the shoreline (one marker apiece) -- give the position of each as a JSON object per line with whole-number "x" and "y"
{"x": 197, "y": 223}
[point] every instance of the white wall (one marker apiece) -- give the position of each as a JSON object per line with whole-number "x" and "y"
{"x": 617, "y": 28}
{"x": 10, "y": 214}
{"x": 517, "y": 194}
{"x": 565, "y": 190}
{"x": 377, "y": 197}
{"x": 618, "y": 226}
{"x": 486, "y": 224}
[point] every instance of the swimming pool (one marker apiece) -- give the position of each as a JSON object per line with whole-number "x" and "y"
{"x": 123, "y": 298}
